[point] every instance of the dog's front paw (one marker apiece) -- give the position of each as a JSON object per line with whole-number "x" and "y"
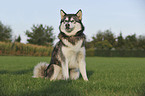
{"x": 86, "y": 80}
{"x": 65, "y": 78}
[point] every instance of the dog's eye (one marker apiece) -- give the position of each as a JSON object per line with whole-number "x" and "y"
{"x": 65, "y": 20}
{"x": 72, "y": 20}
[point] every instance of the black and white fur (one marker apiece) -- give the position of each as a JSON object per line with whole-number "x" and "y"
{"x": 68, "y": 56}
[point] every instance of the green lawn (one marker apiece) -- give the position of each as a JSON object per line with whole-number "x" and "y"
{"x": 107, "y": 77}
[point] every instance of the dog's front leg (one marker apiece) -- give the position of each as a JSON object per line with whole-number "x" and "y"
{"x": 82, "y": 67}
{"x": 65, "y": 71}
{"x": 82, "y": 64}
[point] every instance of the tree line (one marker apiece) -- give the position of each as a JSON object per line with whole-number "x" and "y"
{"x": 106, "y": 40}
{"x": 103, "y": 40}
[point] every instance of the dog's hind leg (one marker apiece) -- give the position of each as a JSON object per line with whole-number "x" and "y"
{"x": 55, "y": 72}
{"x": 74, "y": 74}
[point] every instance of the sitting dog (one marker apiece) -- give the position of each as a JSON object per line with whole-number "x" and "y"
{"x": 68, "y": 56}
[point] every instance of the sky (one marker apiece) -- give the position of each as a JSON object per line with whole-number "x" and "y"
{"x": 126, "y": 16}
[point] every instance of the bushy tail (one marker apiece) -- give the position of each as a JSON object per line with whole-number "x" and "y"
{"x": 39, "y": 70}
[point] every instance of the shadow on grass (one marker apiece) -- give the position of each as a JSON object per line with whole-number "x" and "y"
{"x": 60, "y": 88}
{"x": 57, "y": 88}
{"x": 142, "y": 91}
{"x": 19, "y": 72}
{"x": 90, "y": 73}
{"x": 47, "y": 88}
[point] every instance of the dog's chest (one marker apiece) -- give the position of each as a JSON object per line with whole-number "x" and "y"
{"x": 72, "y": 47}
{"x": 71, "y": 52}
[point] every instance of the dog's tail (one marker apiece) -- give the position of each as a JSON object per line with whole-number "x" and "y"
{"x": 39, "y": 70}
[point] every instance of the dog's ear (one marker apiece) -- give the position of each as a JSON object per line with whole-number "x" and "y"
{"x": 79, "y": 14}
{"x": 62, "y": 13}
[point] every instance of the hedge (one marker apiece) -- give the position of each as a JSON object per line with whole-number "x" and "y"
{"x": 116, "y": 53}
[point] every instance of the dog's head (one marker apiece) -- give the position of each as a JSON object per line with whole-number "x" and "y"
{"x": 71, "y": 24}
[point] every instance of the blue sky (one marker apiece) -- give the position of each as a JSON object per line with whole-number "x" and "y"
{"x": 127, "y": 16}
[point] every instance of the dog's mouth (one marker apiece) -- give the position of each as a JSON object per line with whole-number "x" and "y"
{"x": 69, "y": 29}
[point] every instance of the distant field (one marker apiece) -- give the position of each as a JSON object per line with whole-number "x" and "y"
{"x": 107, "y": 77}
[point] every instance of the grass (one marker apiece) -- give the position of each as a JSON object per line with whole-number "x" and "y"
{"x": 107, "y": 77}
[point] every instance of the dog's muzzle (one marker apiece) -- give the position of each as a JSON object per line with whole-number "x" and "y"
{"x": 67, "y": 26}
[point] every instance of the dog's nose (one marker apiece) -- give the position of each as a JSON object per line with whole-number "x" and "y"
{"x": 67, "y": 26}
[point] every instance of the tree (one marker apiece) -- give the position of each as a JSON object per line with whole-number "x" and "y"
{"x": 101, "y": 39}
{"x": 18, "y": 39}
{"x": 131, "y": 41}
{"x": 5, "y": 33}
{"x": 89, "y": 44}
{"x": 99, "y": 36}
{"x": 40, "y": 35}
{"x": 105, "y": 45}
{"x": 109, "y": 36}
{"x": 120, "y": 42}
{"x": 141, "y": 42}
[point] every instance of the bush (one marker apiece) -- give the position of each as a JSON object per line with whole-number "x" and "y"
{"x": 21, "y": 49}
{"x": 90, "y": 52}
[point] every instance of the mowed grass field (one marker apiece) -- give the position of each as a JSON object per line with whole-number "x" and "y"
{"x": 107, "y": 77}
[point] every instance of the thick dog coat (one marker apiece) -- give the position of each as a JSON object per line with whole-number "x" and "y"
{"x": 68, "y": 56}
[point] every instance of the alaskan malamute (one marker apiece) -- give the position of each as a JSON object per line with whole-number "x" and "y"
{"x": 68, "y": 56}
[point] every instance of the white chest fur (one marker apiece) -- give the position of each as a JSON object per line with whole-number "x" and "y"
{"x": 72, "y": 52}
{"x": 72, "y": 47}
